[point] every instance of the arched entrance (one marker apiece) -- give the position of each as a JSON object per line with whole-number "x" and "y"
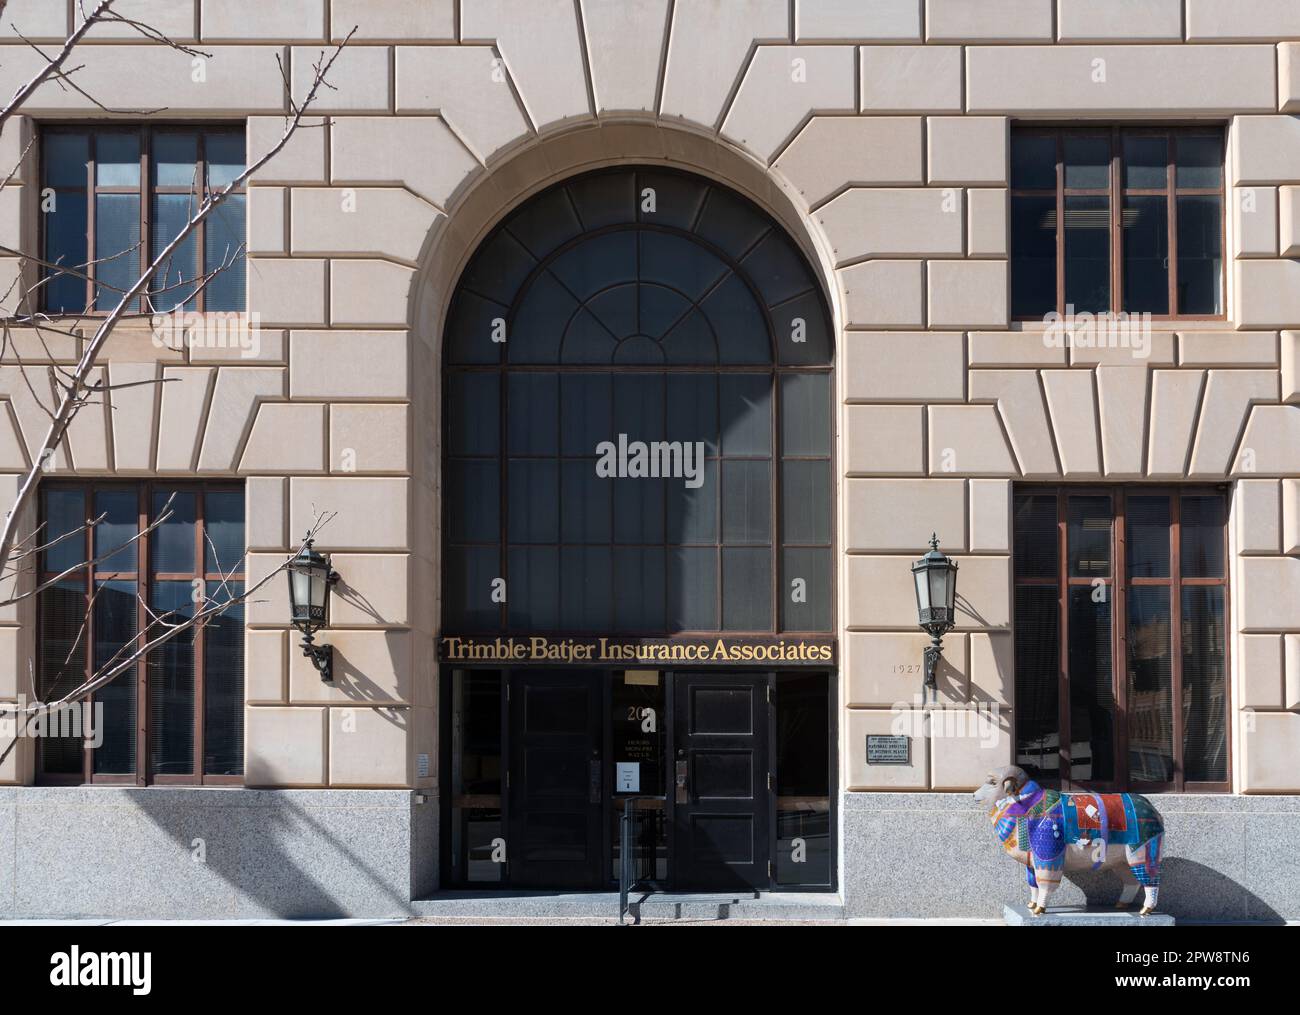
{"x": 638, "y": 540}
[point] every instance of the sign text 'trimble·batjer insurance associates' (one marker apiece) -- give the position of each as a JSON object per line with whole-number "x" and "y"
{"x": 777, "y": 651}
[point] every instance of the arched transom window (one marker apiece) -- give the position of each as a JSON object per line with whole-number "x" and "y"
{"x": 638, "y": 418}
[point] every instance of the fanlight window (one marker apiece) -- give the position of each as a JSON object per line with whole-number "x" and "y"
{"x": 638, "y": 418}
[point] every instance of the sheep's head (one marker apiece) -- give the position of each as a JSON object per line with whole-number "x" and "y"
{"x": 1001, "y": 783}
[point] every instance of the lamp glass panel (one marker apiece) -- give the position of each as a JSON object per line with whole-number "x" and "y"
{"x": 922, "y": 580}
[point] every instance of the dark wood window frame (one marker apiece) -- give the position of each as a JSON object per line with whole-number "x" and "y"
{"x": 1115, "y": 192}
{"x": 145, "y": 190}
{"x": 143, "y": 579}
{"x": 1120, "y": 582}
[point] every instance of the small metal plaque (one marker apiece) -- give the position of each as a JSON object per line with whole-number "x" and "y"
{"x": 888, "y": 750}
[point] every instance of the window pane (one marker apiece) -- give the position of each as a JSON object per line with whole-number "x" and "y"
{"x": 65, "y": 512}
{"x": 117, "y": 159}
{"x": 802, "y": 779}
{"x": 474, "y": 417}
{"x": 66, "y": 158}
{"x": 171, "y": 684}
{"x": 1092, "y": 699}
{"x": 747, "y": 501}
{"x": 175, "y": 157}
{"x": 223, "y": 244}
{"x": 1200, "y": 255}
{"x": 62, "y": 668}
{"x": 223, "y": 685}
{"x": 120, "y": 510}
{"x": 474, "y": 501}
{"x": 532, "y": 402}
{"x": 746, "y": 414}
{"x": 1087, "y": 253}
{"x": 1201, "y": 532}
{"x": 1038, "y": 666}
{"x": 586, "y": 412}
{"x": 692, "y": 589}
{"x": 171, "y": 544}
{"x": 468, "y": 601}
{"x": 1033, "y": 161}
{"x": 806, "y": 501}
{"x": 533, "y": 602}
{"x": 1036, "y": 536}
{"x": 639, "y": 589}
{"x": 1146, "y": 255}
{"x": 586, "y": 503}
{"x": 117, "y": 247}
{"x": 639, "y": 510}
{"x": 1146, "y": 162}
{"x": 1087, "y": 162}
{"x": 534, "y": 501}
{"x": 693, "y": 511}
{"x": 747, "y": 588}
{"x": 176, "y": 279}
{"x": 1150, "y": 708}
{"x": 1200, "y": 161}
{"x": 586, "y": 588}
{"x": 66, "y": 231}
{"x": 1089, "y": 536}
{"x": 806, "y": 606}
{"x": 806, "y": 414}
{"x": 638, "y": 407}
{"x": 1205, "y": 688}
{"x": 225, "y": 156}
{"x": 1033, "y": 256}
{"x": 223, "y": 522}
{"x": 114, "y": 618}
{"x": 1146, "y": 533}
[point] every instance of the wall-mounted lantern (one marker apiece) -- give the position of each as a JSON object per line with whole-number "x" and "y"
{"x": 310, "y": 581}
{"x": 935, "y": 576}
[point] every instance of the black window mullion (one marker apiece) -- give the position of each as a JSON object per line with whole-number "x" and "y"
{"x": 1171, "y": 183}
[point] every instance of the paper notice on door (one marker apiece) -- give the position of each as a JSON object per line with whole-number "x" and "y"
{"x": 627, "y": 777}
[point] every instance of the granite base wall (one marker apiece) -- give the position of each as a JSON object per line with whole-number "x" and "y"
{"x": 934, "y": 854}
{"x": 214, "y": 852}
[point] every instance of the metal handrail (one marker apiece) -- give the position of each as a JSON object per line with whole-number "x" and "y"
{"x": 626, "y": 878}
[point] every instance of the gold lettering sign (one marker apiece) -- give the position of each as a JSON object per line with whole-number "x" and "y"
{"x": 724, "y": 651}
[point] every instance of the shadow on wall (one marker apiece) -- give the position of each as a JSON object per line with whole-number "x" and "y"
{"x": 177, "y": 853}
{"x": 1189, "y": 891}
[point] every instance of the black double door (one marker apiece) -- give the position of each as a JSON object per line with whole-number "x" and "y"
{"x": 562, "y": 795}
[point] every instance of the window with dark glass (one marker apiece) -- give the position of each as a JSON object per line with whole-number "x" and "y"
{"x": 1120, "y": 637}
{"x": 652, "y": 307}
{"x": 176, "y": 714}
{"x": 1119, "y": 219}
{"x": 115, "y": 197}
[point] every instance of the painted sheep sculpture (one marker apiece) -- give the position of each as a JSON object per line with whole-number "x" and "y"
{"x": 1050, "y": 832}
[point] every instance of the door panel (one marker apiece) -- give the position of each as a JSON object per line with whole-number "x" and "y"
{"x": 556, "y": 813}
{"x": 722, "y": 804}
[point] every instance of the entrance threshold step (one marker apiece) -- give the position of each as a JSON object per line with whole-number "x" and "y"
{"x": 1018, "y": 915}
{"x": 644, "y": 905}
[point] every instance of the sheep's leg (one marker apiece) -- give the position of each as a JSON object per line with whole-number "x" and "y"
{"x": 1033, "y": 886}
{"x": 1048, "y": 880}
{"x": 1144, "y": 863}
{"x": 1129, "y": 893}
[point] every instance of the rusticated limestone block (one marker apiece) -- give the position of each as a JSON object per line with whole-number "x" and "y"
{"x": 420, "y": 152}
{"x": 884, "y": 440}
{"x": 966, "y": 294}
{"x": 1257, "y": 513}
{"x": 862, "y": 776}
{"x": 369, "y": 666}
{"x": 967, "y": 440}
{"x": 368, "y": 746}
{"x": 1122, "y": 414}
{"x": 283, "y": 21}
{"x": 286, "y": 437}
{"x": 469, "y": 87}
{"x": 988, "y": 21}
{"x": 1072, "y": 404}
{"x": 342, "y": 221}
{"x": 1020, "y": 403}
{"x": 865, "y": 151}
{"x": 911, "y": 79}
{"x": 881, "y": 366}
{"x": 134, "y": 409}
{"x": 284, "y": 746}
{"x": 882, "y": 222}
{"x": 539, "y": 39}
{"x": 1241, "y": 20}
{"x": 886, "y": 515}
{"x": 1119, "y": 20}
{"x": 624, "y": 44}
{"x": 265, "y": 670}
{"x": 1175, "y": 395}
{"x": 707, "y": 46}
{"x": 884, "y": 294}
{"x": 1228, "y": 397}
{"x": 887, "y": 669}
{"x": 1271, "y": 444}
{"x": 1270, "y": 747}
{"x": 360, "y": 77}
{"x": 397, "y": 20}
{"x": 879, "y": 21}
{"x": 234, "y": 404}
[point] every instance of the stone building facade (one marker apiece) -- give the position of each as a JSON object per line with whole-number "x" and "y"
{"x": 878, "y": 135}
